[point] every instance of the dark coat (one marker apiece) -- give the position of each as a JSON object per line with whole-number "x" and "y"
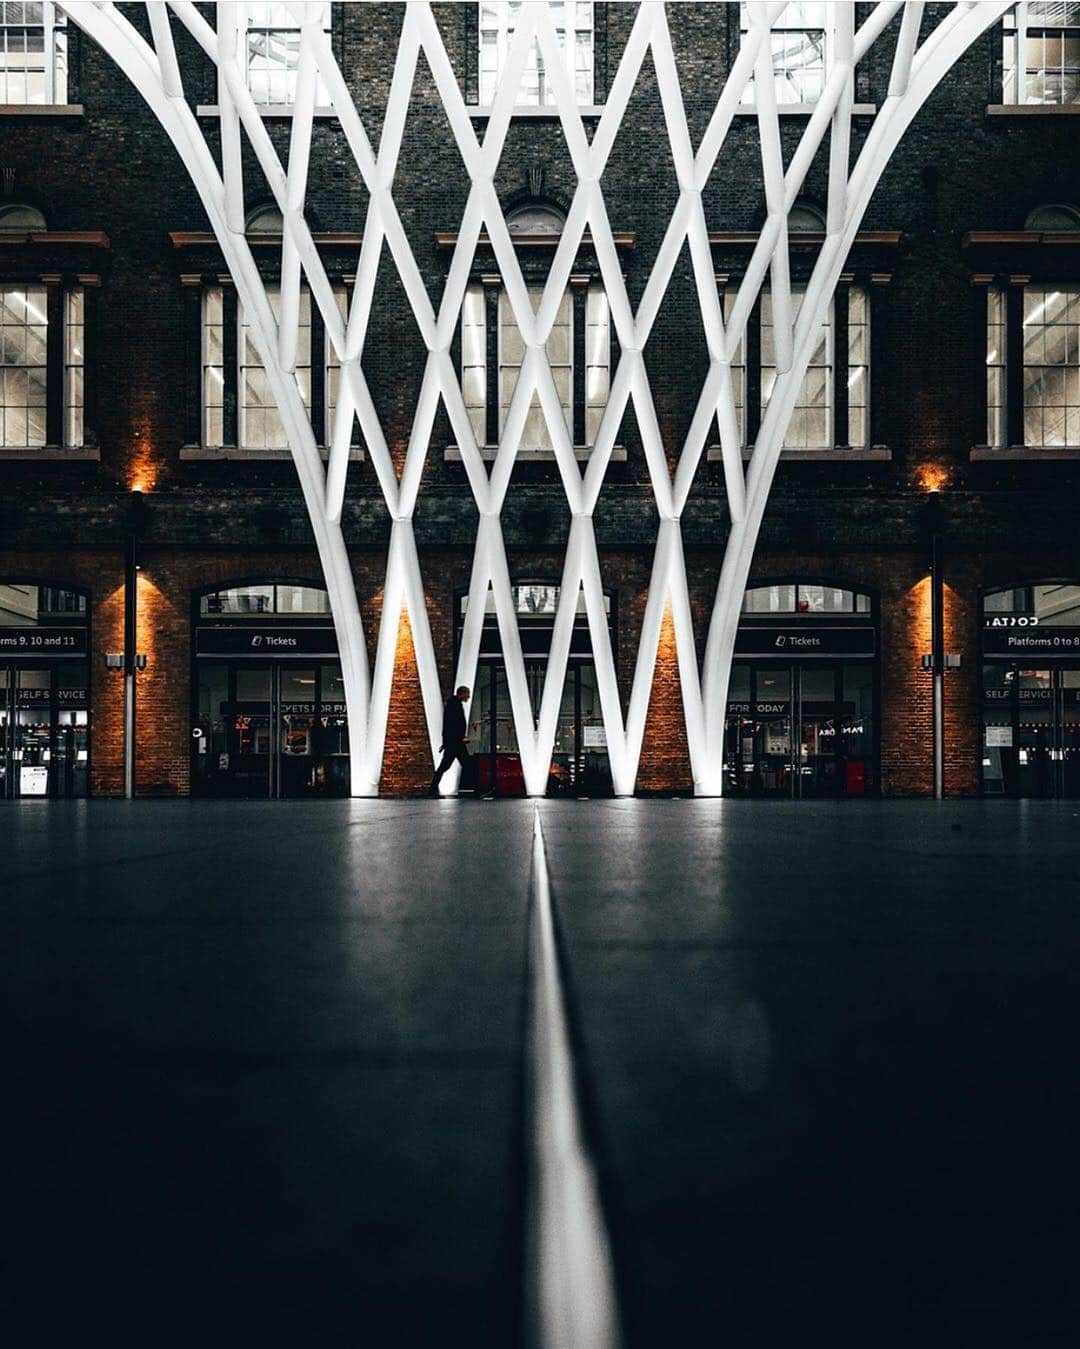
{"x": 454, "y": 730}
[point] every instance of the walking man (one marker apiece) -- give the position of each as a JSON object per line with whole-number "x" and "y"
{"x": 455, "y": 736}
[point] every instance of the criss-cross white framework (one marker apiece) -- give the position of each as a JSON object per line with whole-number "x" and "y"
{"x": 922, "y": 52}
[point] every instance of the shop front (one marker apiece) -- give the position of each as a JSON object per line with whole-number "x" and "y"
{"x": 268, "y": 716}
{"x": 579, "y": 761}
{"x": 44, "y": 691}
{"x": 802, "y": 702}
{"x": 1031, "y": 691}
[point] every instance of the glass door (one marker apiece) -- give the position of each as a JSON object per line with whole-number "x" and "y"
{"x": 817, "y": 769}
{"x": 772, "y": 775}
{"x": 7, "y": 738}
{"x": 1036, "y": 757}
{"x": 33, "y": 758}
{"x": 293, "y": 772}
{"x": 594, "y": 766}
{"x": 1069, "y": 738}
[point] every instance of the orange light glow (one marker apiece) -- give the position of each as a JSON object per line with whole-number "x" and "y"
{"x": 933, "y": 477}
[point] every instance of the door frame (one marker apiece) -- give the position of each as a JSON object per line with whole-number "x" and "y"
{"x": 53, "y": 663}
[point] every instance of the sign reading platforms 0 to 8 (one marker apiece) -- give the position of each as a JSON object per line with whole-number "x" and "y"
{"x": 801, "y": 641}
{"x": 1018, "y": 636}
{"x": 264, "y": 642}
{"x": 42, "y": 641}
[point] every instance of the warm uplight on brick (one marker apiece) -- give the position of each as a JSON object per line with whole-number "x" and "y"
{"x": 933, "y": 477}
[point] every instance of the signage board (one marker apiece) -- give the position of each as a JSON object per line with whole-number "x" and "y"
{"x": 594, "y": 737}
{"x": 804, "y": 641}
{"x": 1022, "y": 636}
{"x": 42, "y": 641}
{"x": 264, "y": 641}
{"x": 33, "y": 781}
{"x": 999, "y": 737}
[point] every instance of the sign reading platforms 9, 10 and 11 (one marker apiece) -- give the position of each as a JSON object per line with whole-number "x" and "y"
{"x": 42, "y": 642}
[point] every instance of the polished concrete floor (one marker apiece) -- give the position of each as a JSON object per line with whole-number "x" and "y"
{"x": 264, "y": 1069}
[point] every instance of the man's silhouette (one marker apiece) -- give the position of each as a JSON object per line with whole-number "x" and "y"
{"x": 455, "y": 734}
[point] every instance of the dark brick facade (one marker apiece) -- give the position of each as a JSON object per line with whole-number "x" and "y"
{"x": 957, "y": 170}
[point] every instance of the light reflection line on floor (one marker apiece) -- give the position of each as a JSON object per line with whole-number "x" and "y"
{"x": 569, "y": 1277}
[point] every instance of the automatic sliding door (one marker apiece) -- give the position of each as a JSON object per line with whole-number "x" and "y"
{"x": 1035, "y": 742}
{"x": 7, "y": 737}
{"x": 295, "y": 739}
{"x": 33, "y": 758}
{"x": 1069, "y": 738}
{"x": 817, "y": 769}
{"x": 248, "y": 763}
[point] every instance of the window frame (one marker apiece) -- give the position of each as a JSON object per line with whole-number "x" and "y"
{"x": 504, "y": 34}
{"x": 1071, "y": 290}
{"x": 322, "y": 96}
{"x": 1017, "y": 26}
{"x": 747, "y": 98}
{"x": 26, "y": 445}
{"x": 54, "y": 55}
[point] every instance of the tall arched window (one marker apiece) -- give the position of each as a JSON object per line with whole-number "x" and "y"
{"x": 579, "y": 347}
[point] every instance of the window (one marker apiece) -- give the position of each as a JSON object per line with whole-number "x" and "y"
{"x": 799, "y": 52}
{"x": 1041, "y": 56}
{"x": 23, "y": 346}
{"x": 586, "y": 395}
{"x": 33, "y": 53}
{"x": 260, "y": 422}
{"x": 74, "y": 366}
{"x": 272, "y": 51}
{"x": 213, "y": 367}
{"x": 333, "y": 365}
{"x": 1053, "y": 603}
{"x": 559, "y": 348}
{"x": 811, "y": 422}
{"x": 799, "y": 597}
{"x": 574, "y": 29}
{"x": 1051, "y": 365}
{"x": 258, "y": 601}
{"x": 238, "y": 406}
{"x": 814, "y": 419}
{"x": 996, "y": 432}
{"x": 21, "y": 219}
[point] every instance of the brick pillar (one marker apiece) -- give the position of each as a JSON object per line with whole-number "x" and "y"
{"x": 963, "y": 735}
{"x": 907, "y": 733}
{"x": 163, "y": 689}
{"x": 406, "y": 767}
{"x": 665, "y": 754}
{"x": 107, "y": 686}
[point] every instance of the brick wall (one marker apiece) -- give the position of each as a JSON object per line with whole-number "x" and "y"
{"x": 956, "y": 170}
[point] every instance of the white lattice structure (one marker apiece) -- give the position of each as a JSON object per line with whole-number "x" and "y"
{"x": 923, "y": 48}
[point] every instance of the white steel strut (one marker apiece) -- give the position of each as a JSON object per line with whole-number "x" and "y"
{"x": 922, "y": 53}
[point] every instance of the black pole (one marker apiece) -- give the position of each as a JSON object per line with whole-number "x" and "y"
{"x": 937, "y": 652}
{"x": 131, "y": 566}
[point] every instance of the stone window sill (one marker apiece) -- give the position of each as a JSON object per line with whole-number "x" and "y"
{"x": 238, "y": 454}
{"x": 581, "y": 452}
{"x": 805, "y": 109}
{"x": 41, "y": 110}
{"x": 539, "y": 114}
{"x": 835, "y": 453}
{"x": 1033, "y": 110}
{"x": 990, "y": 453}
{"x": 48, "y": 454}
{"x": 270, "y": 113}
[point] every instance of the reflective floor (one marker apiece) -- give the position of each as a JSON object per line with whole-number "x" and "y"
{"x": 265, "y": 1066}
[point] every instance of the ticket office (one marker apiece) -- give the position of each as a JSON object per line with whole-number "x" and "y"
{"x": 269, "y": 715}
{"x": 802, "y": 716}
{"x": 1031, "y": 691}
{"x": 44, "y": 691}
{"x": 579, "y": 761}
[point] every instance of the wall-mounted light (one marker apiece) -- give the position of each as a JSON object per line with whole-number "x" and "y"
{"x": 114, "y": 660}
